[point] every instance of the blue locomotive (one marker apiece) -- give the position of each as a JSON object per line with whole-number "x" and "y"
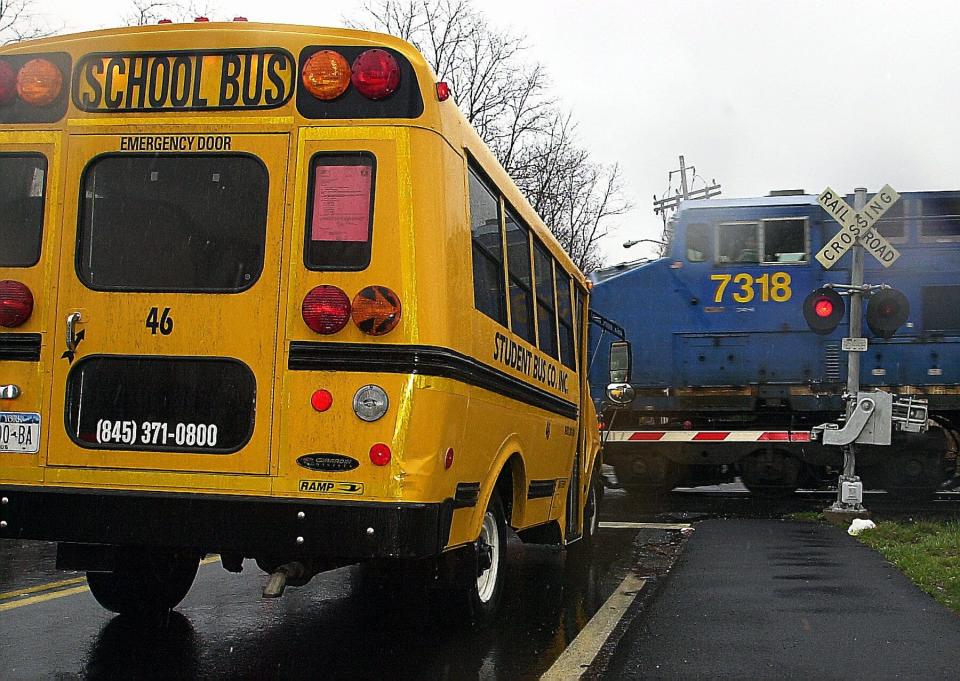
{"x": 729, "y": 379}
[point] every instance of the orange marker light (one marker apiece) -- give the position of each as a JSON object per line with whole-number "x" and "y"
{"x": 326, "y": 75}
{"x": 376, "y": 310}
{"x": 39, "y": 82}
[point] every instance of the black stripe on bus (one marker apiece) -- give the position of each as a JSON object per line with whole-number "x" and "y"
{"x": 540, "y": 489}
{"x": 20, "y": 347}
{"x": 425, "y": 360}
{"x": 467, "y": 494}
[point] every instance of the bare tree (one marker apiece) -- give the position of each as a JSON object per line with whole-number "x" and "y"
{"x": 19, "y": 20}
{"x": 506, "y": 98}
{"x": 146, "y": 12}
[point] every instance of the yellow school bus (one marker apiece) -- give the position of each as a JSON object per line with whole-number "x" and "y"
{"x": 264, "y": 293}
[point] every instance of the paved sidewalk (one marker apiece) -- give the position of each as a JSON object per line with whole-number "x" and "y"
{"x": 765, "y": 599}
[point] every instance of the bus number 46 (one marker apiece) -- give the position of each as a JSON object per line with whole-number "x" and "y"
{"x": 160, "y": 321}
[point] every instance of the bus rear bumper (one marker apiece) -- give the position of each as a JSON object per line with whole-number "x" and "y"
{"x": 250, "y": 526}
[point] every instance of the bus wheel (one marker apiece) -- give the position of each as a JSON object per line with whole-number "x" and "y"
{"x": 479, "y": 583}
{"x": 771, "y": 474}
{"x": 145, "y": 583}
{"x": 591, "y": 516}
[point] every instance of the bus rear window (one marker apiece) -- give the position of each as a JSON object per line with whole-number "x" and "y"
{"x": 340, "y": 211}
{"x": 172, "y": 223}
{"x": 22, "y": 183}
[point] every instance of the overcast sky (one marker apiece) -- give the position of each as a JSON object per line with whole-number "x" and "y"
{"x": 758, "y": 95}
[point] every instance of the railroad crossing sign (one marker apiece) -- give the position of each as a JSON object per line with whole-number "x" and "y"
{"x": 856, "y": 226}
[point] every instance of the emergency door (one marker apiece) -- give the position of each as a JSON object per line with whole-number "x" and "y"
{"x": 166, "y": 333}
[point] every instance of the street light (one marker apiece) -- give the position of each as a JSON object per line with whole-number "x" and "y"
{"x": 628, "y": 244}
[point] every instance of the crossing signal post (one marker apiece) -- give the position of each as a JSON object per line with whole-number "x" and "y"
{"x": 886, "y": 312}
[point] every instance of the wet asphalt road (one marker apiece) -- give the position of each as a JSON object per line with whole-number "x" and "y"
{"x": 337, "y": 626}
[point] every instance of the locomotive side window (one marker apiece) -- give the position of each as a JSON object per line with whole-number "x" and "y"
{"x": 940, "y": 309}
{"x": 784, "y": 240}
{"x": 488, "y": 289}
{"x": 940, "y": 219}
{"x": 892, "y": 225}
{"x": 698, "y": 242}
{"x": 738, "y": 243}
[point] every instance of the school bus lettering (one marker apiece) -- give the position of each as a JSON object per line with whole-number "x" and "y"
{"x": 157, "y": 321}
{"x": 513, "y": 355}
{"x": 330, "y": 487}
{"x": 176, "y": 143}
{"x": 204, "y": 81}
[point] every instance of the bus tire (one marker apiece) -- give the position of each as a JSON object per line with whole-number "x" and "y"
{"x": 145, "y": 583}
{"x": 479, "y": 585}
{"x": 591, "y": 516}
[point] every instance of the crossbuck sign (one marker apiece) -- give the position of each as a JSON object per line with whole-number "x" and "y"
{"x": 856, "y": 226}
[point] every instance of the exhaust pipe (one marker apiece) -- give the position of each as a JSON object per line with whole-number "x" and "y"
{"x": 278, "y": 579}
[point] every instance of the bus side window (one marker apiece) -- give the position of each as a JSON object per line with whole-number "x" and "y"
{"x": 521, "y": 284}
{"x": 546, "y": 308}
{"x": 698, "y": 242}
{"x": 565, "y": 315}
{"x": 488, "y": 286}
{"x": 738, "y": 243}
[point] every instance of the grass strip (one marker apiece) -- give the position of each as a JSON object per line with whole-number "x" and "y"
{"x": 927, "y": 551}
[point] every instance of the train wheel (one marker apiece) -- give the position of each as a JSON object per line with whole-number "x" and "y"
{"x": 770, "y": 473}
{"x": 146, "y": 583}
{"x": 650, "y": 475}
{"x": 918, "y": 468}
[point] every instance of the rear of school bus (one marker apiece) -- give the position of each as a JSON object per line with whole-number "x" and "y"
{"x": 237, "y": 313}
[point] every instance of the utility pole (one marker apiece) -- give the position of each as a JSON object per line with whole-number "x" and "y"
{"x": 671, "y": 202}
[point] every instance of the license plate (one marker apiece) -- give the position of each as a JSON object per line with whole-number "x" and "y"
{"x": 19, "y": 432}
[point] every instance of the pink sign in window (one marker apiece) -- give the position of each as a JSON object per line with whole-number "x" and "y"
{"x": 341, "y": 203}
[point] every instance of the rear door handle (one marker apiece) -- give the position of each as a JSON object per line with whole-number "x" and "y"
{"x": 72, "y": 320}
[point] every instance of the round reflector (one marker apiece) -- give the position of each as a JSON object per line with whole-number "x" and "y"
{"x": 823, "y": 307}
{"x": 448, "y": 459}
{"x": 321, "y": 400}
{"x": 376, "y": 74}
{"x": 326, "y": 75}
{"x": 326, "y": 309}
{"x": 8, "y": 83}
{"x": 39, "y": 82}
{"x": 16, "y": 303}
{"x": 376, "y": 310}
{"x": 380, "y": 454}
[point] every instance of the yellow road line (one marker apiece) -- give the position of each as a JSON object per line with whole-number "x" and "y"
{"x": 576, "y": 659}
{"x": 643, "y": 526}
{"x": 40, "y": 587}
{"x": 33, "y": 600}
{"x": 52, "y": 586}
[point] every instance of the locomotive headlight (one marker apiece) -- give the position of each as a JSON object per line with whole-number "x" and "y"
{"x": 370, "y": 402}
{"x": 621, "y": 393}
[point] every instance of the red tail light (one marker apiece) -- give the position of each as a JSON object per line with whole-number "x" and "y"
{"x": 326, "y": 309}
{"x": 376, "y": 74}
{"x": 8, "y": 83}
{"x": 16, "y": 303}
{"x": 39, "y": 82}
